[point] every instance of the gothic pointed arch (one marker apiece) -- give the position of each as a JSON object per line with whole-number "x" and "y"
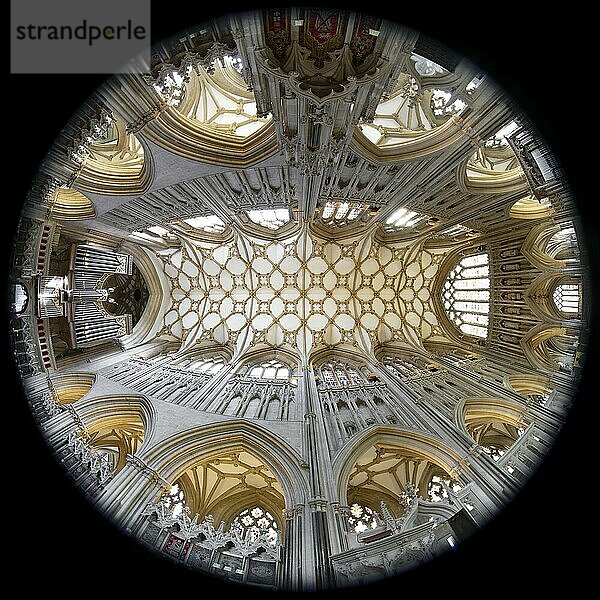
{"x": 68, "y": 388}
{"x": 462, "y": 293}
{"x": 70, "y": 205}
{"x": 545, "y": 355}
{"x": 421, "y": 445}
{"x": 117, "y": 425}
{"x": 116, "y": 162}
{"x": 551, "y": 246}
{"x": 530, "y": 208}
{"x": 174, "y": 455}
{"x": 494, "y": 167}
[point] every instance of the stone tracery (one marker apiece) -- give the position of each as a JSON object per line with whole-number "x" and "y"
{"x": 345, "y": 274}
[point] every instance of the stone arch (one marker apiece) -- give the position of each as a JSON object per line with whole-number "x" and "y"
{"x": 159, "y": 295}
{"x": 492, "y": 423}
{"x": 431, "y": 142}
{"x": 256, "y": 356}
{"x": 175, "y": 455}
{"x": 130, "y": 174}
{"x": 492, "y": 409}
{"x": 535, "y": 346}
{"x": 67, "y": 204}
{"x": 122, "y": 422}
{"x": 526, "y": 385}
{"x": 68, "y": 388}
{"x": 529, "y": 208}
{"x": 540, "y": 296}
{"x": 418, "y": 443}
{"x": 474, "y": 177}
{"x": 535, "y": 244}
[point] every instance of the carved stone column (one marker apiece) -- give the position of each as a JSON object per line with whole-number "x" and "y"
{"x": 128, "y": 493}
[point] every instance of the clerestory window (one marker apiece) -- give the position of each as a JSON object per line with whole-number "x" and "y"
{"x": 466, "y": 295}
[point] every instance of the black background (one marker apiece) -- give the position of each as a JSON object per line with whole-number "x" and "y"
{"x": 544, "y": 537}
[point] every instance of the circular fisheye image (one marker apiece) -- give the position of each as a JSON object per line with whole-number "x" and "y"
{"x": 302, "y": 305}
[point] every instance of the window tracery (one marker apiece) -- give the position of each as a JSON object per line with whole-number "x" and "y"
{"x": 254, "y": 521}
{"x": 270, "y": 369}
{"x": 466, "y": 295}
{"x": 566, "y": 298}
{"x": 337, "y": 213}
{"x": 438, "y": 487}
{"x": 362, "y": 518}
{"x": 271, "y": 218}
{"x": 339, "y": 373}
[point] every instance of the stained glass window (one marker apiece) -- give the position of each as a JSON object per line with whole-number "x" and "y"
{"x": 466, "y": 295}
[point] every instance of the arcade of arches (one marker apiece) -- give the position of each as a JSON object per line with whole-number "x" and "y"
{"x": 309, "y": 291}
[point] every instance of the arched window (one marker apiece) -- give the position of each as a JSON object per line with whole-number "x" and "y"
{"x": 271, "y": 218}
{"x": 566, "y": 298}
{"x": 403, "y": 368}
{"x": 257, "y": 520}
{"x": 466, "y": 295}
{"x": 20, "y": 298}
{"x": 174, "y": 500}
{"x": 209, "y": 365}
{"x": 207, "y": 223}
{"x": 437, "y": 489}
{"x": 338, "y": 373}
{"x": 337, "y": 213}
{"x": 270, "y": 369}
{"x": 403, "y": 218}
{"x": 362, "y": 518}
